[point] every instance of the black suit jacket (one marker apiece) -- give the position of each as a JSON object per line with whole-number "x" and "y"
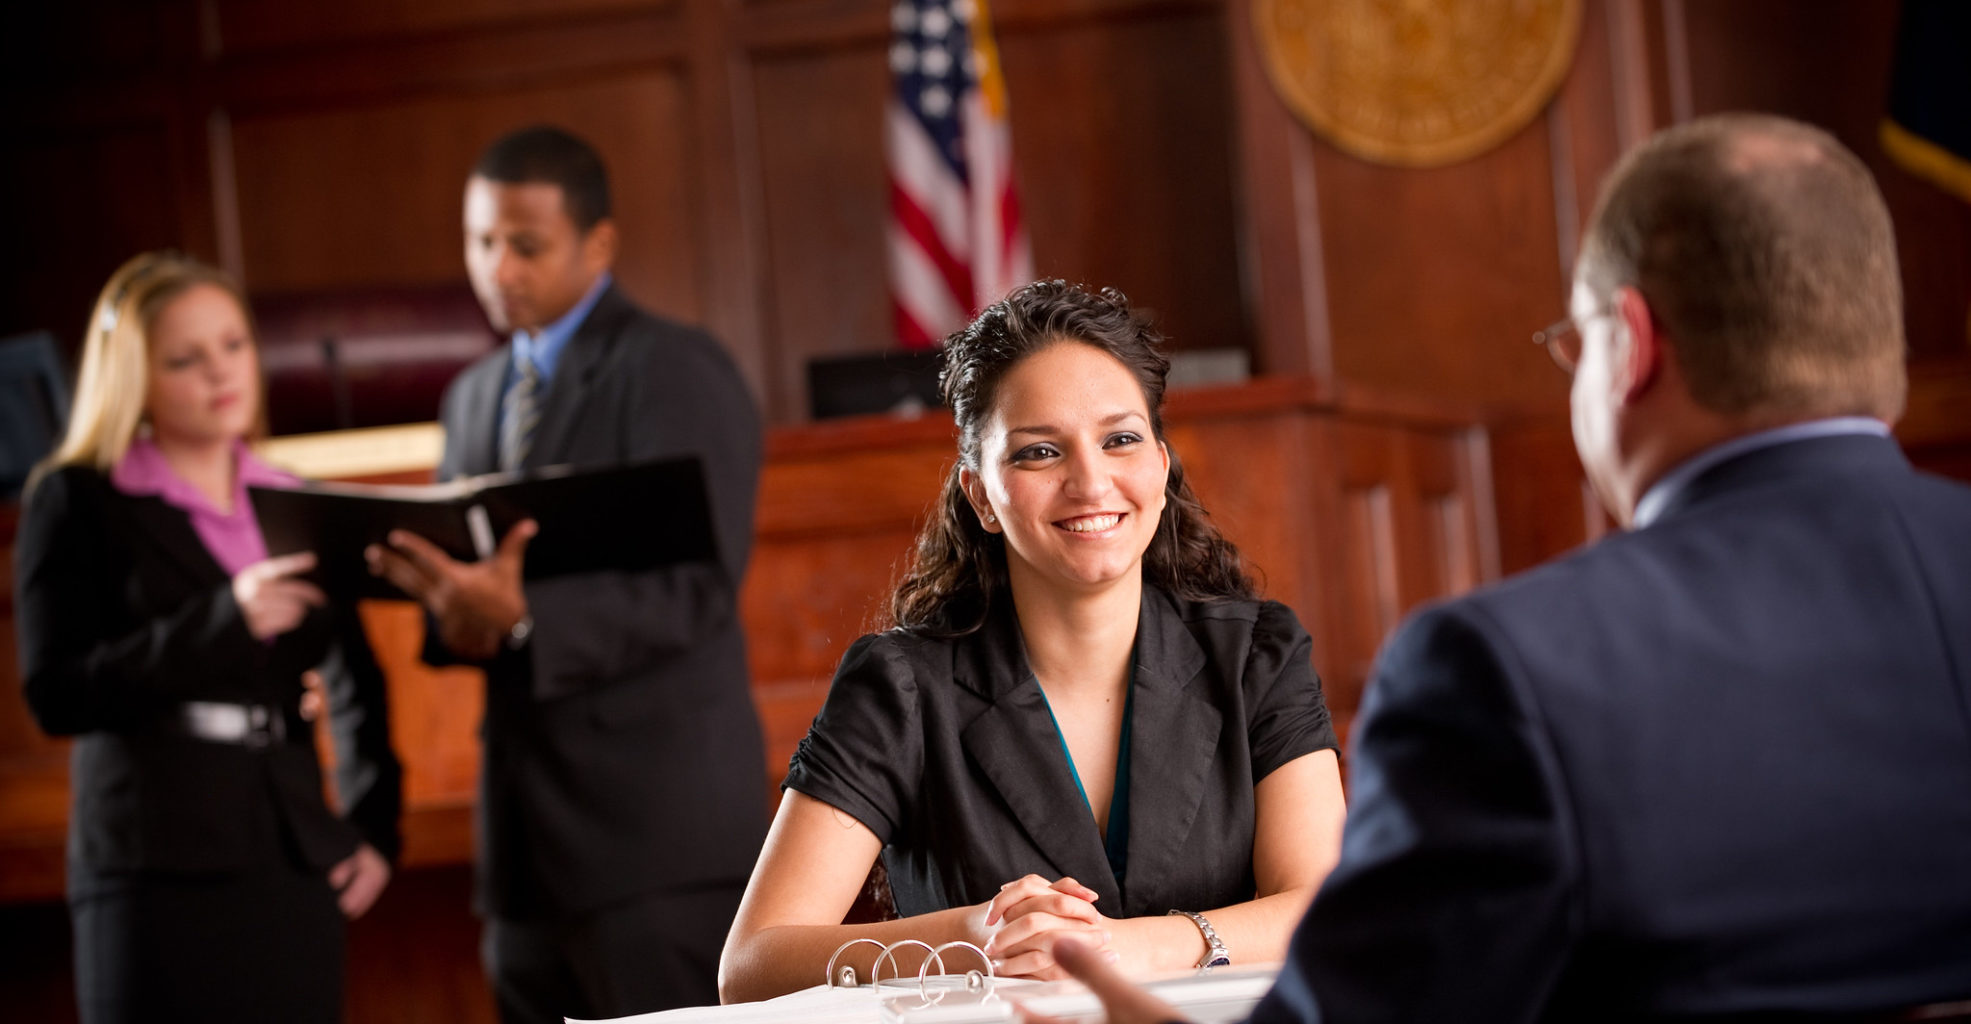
{"x": 622, "y": 752}
{"x": 947, "y": 751}
{"x": 1720, "y": 765}
{"x": 123, "y": 615}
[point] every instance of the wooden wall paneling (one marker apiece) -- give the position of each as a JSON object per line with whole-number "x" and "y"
{"x": 1435, "y": 275}
{"x": 1934, "y": 429}
{"x": 1425, "y": 281}
{"x": 96, "y": 40}
{"x": 1637, "y": 66}
{"x": 95, "y": 152}
{"x": 190, "y": 150}
{"x": 1280, "y": 241}
{"x": 370, "y": 195}
{"x": 1583, "y": 138}
{"x": 1478, "y": 481}
{"x": 730, "y": 195}
{"x": 1365, "y": 592}
{"x": 1451, "y": 560}
{"x": 1124, "y": 158}
{"x": 1260, "y": 459}
{"x": 497, "y": 57}
{"x": 253, "y": 26}
{"x": 1414, "y": 471}
{"x": 839, "y": 508}
{"x": 1544, "y": 505}
{"x": 1260, "y": 478}
{"x": 814, "y": 491}
{"x": 1410, "y": 530}
{"x": 434, "y": 726}
{"x": 1317, "y": 514}
{"x": 807, "y": 599}
{"x": 90, "y": 197}
{"x": 784, "y": 25}
{"x": 228, "y": 246}
{"x": 820, "y": 118}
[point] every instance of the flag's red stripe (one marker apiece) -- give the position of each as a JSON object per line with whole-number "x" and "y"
{"x": 1009, "y": 218}
{"x": 917, "y": 226}
{"x": 911, "y": 333}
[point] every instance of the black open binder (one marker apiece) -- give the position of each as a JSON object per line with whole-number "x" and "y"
{"x": 628, "y": 517}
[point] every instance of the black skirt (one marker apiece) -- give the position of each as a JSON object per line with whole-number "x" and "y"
{"x": 259, "y": 945}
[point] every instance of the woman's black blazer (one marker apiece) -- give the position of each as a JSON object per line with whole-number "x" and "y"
{"x": 123, "y": 615}
{"x": 946, "y": 749}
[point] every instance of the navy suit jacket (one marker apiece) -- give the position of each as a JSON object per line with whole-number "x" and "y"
{"x": 622, "y": 754}
{"x": 1718, "y": 766}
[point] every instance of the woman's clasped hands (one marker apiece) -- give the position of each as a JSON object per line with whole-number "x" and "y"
{"x": 1022, "y": 922}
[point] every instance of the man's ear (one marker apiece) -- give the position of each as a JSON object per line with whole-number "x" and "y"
{"x": 599, "y": 247}
{"x": 1640, "y": 363}
{"x": 975, "y": 496}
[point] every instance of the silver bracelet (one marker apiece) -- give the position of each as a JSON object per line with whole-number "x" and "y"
{"x": 1216, "y": 955}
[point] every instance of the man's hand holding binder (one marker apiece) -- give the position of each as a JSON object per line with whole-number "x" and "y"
{"x": 480, "y": 605}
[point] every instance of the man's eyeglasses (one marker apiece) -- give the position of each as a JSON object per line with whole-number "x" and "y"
{"x": 1562, "y": 340}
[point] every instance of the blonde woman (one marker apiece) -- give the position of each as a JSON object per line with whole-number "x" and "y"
{"x": 208, "y": 879}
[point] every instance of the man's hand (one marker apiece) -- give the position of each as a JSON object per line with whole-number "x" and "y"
{"x": 476, "y": 603}
{"x": 1124, "y": 1002}
{"x": 358, "y": 879}
{"x": 271, "y": 600}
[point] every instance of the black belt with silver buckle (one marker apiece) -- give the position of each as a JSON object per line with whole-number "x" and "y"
{"x": 253, "y": 726}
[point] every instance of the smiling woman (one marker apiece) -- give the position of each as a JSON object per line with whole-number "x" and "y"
{"x": 1084, "y": 723}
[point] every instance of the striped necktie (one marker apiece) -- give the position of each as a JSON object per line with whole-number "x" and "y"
{"x": 520, "y": 413}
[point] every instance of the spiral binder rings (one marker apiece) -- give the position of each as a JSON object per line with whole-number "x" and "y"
{"x": 980, "y": 997}
{"x": 956, "y": 984}
{"x": 943, "y": 996}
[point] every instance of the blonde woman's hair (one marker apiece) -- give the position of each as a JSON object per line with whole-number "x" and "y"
{"x": 115, "y": 372}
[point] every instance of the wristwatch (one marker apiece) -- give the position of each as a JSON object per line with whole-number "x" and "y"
{"x": 1216, "y": 955}
{"x": 516, "y": 638}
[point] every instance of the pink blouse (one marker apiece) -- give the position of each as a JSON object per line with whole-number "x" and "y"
{"x": 233, "y": 537}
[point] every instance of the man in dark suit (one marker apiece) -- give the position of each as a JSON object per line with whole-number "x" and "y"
{"x": 622, "y": 793}
{"x": 1720, "y": 765}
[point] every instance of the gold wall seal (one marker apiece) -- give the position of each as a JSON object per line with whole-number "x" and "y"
{"x": 1417, "y": 82}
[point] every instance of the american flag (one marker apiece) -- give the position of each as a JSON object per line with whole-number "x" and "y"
{"x": 957, "y": 241}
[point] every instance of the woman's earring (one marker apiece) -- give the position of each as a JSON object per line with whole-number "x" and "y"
{"x": 990, "y": 518}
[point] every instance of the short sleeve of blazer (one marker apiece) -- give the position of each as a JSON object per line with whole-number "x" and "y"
{"x": 864, "y": 754}
{"x": 1286, "y": 716}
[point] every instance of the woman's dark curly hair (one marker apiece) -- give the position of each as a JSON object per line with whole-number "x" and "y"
{"x": 958, "y": 571}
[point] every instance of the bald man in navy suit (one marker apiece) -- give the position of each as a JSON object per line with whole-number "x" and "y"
{"x": 1718, "y": 766}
